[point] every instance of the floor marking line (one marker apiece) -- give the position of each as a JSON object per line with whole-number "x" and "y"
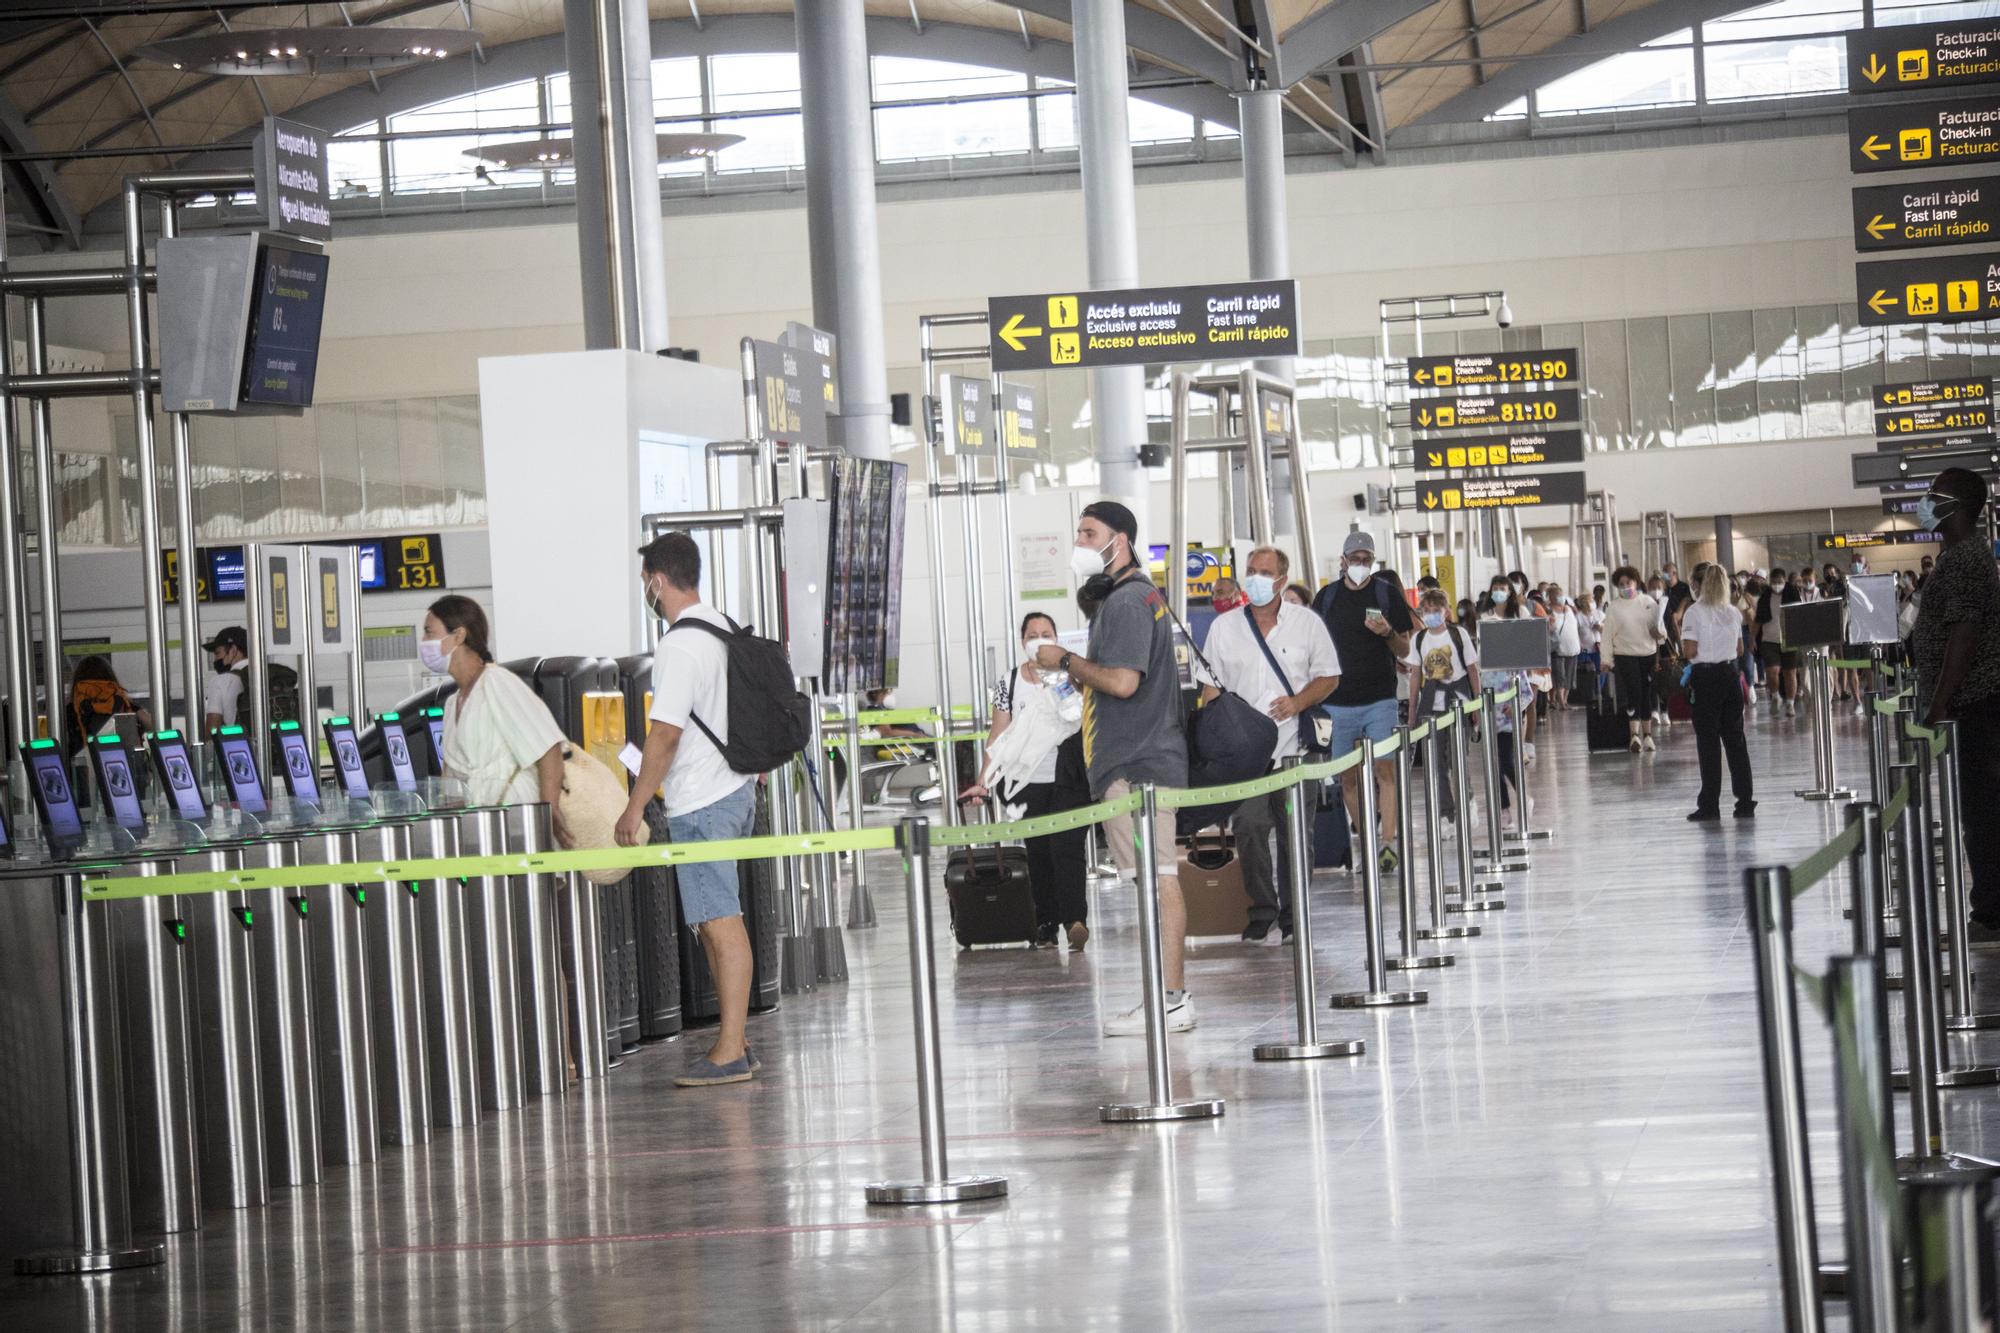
{"x": 691, "y": 1233}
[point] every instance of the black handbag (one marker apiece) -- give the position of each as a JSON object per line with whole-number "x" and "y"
{"x": 1228, "y": 740}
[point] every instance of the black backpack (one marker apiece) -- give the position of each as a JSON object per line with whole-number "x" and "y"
{"x": 281, "y": 693}
{"x": 769, "y": 719}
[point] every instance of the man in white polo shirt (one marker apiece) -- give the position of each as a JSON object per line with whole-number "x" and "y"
{"x": 1279, "y": 658}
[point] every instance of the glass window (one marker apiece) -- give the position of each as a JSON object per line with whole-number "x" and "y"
{"x": 1785, "y": 18}
{"x": 1655, "y": 77}
{"x": 1888, "y": 15}
{"x": 1147, "y": 122}
{"x": 1514, "y": 110}
{"x": 676, "y": 99}
{"x": 1820, "y": 353}
{"x": 966, "y": 129}
{"x": 356, "y": 164}
{"x": 1779, "y": 372}
{"x": 1606, "y": 386}
{"x": 1735, "y": 376}
{"x": 440, "y": 163}
{"x": 1691, "y": 373}
{"x": 1792, "y": 67}
{"x": 758, "y": 83}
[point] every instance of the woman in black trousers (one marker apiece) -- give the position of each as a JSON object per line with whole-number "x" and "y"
{"x": 1711, "y": 639}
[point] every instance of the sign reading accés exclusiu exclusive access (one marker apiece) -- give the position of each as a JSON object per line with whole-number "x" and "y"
{"x": 1144, "y": 325}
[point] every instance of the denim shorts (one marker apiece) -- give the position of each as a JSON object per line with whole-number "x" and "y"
{"x": 708, "y": 888}
{"x": 1376, "y": 721}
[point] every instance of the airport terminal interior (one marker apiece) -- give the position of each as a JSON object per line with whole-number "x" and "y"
{"x": 1230, "y": 547}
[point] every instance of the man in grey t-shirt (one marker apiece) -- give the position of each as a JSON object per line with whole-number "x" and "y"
{"x": 1132, "y": 722}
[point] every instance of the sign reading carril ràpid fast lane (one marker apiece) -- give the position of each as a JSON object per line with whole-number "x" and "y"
{"x": 1924, "y": 134}
{"x": 1921, "y": 214}
{"x": 1144, "y": 326}
{"x": 1923, "y": 55}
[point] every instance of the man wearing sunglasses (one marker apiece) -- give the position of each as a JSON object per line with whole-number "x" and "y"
{"x": 1957, "y": 641}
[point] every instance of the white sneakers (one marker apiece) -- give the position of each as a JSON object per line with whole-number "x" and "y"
{"x": 1132, "y": 1023}
{"x": 1647, "y": 741}
{"x": 1527, "y": 752}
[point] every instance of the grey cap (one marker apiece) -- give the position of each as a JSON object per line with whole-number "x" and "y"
{"x": 1357, "y": 540}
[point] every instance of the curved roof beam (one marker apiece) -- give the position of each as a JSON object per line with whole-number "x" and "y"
{"x": 1156, "y": 35}
{"x": 1338, "y": 30}
{"x": 39, "y": 188}
{"x": 130, "y": 87}
{"x": 1627, "y": 32}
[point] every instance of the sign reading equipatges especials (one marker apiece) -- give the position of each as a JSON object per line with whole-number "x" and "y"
{"x": 1536, "y": 449}
{"x": 1941, "y": 289}
{"x": 1144, "y": 325}
{"x": 1923, "y": 55}
{"x": 1924, "y": 134}
{"x": 1480, "y": 369}
{"x": 1546, "y": 408}
{"x": 1505, "y": 491}
{"x": 1959, "y": 211}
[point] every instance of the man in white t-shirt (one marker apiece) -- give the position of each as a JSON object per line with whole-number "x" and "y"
{"x": 1299, "y": 641}
{"x": 707, "y": 801}
{"x": 229, "y": 652}
{"x": 1444, "y": 661}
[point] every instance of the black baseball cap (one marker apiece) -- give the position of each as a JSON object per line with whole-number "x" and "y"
{"x": 231, "y": 636}
{"x": 1114, "y": 516}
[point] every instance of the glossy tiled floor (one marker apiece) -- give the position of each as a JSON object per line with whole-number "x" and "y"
{"x": 1569, "y": 1136}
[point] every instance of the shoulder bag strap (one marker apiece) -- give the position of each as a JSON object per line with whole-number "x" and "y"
{"x": 1257, "y": 633}
{"x": 725, "y": 635}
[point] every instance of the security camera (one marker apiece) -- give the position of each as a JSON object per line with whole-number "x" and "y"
{"x": 1504, "y": 316}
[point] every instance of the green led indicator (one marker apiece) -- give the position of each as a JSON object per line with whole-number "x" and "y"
{"x": 167, "y": 735}
{"x": 414, "y": 888}
{"x": 229, "y": 731}
{"x": 388, "y": 717}
{"x": 300, "y": 903}
{"x": 244, "y": 915}
{"x": 360, "y": 895}
{"x": 434, "y": 712}
{"x": 339, "y": 721}
{"x": 177, "y": 929}
{"x": 43, "y": 744}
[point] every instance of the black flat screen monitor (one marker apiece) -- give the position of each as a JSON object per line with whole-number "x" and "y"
{"x": 239, "y": 769}
{"x": 118, "y": 783}
{"x": 396, "y": 745}
{"x": 281, "y": 351}
{"x": 300, "y": 765}
{"x": 1812, "y": 624}
{"x": 55, "y": 795}
{"x": 340, "y": 738}
{"x": 176, "y": 768}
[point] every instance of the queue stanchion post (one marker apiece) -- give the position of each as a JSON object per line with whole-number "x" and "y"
{"x": 1769, "y": 891}
{"x": 1437, "y": 755}
{"x": 1965, "y": 1015}
{"x": 1826, "y": 786}
{"x": 1869, "y": 887}
{"x": 938, "y": 1184}
{"x": 1304, "y": 992}
{"x": 1870, "y": 1194}
{"x": 1524, "y": 699}
{"x": 1920, "y": 1079}
{"x": 1471, "y": 883}
{"x": 1921, "y": 875}
{"x": 1498, "y": 853}
{"x": 1409, "y": 959}
{"x": 860, "y": 902}
{"x": 1159, "y": 1073}
{"x": 1378, "y": 995}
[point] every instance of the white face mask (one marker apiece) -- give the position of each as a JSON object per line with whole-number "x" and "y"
{"x": 1033, "y": 646}
{"x": 1358, "y": 574}
{"x": 1087, "y": 562}
{"x": 434, "y": 656}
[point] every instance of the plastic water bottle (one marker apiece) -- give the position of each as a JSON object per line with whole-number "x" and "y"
{"x": 1069, "y": 700}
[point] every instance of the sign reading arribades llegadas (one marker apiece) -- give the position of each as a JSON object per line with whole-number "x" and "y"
{"x": 1537, "y": 449}
{"x": 1144, "y": 325}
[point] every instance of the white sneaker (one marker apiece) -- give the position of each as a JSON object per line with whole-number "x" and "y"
{"x": 1634, "y": 745}
{"x": 1132, "y": 1023}
{"x": 1647, "y": 743}
{"x": 1527, "y": 752}
{"x": 1861, "y": 710}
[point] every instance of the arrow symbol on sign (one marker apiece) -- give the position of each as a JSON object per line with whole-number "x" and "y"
{"x": 1882, "y": 301}
{"x": 1873, "y": 147}
{"x": 1012, "y": 332}
{"x": 1430, "y": 500}
{"x": 1424, "y": 417}
{"x": 1874, "y": 69}
{"x": 1437, "y": 460}
{"x": 1422, "y": 377}
{"x": 1878, "y": 227}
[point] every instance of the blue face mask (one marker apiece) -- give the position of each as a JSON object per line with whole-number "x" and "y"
{"x": 1500, "y": 596}
{"x": 1260, "y": 588}
{"x": 1433, "y": 620}
{"x": 1927, "y": 512}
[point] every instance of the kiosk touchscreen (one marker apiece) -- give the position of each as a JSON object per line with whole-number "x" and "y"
{"x": 239, "y": 769}
{"x": 346, "y": 747}
{"x": 396, "y": 744}
{"x": 176, "y": 768}
{"x": 55, "y": 797}
{"x": 119, "y": 784}
{"x": 434, "y": 731}
{"x": 299, "y": 764}
{"x": 6, "y": 836}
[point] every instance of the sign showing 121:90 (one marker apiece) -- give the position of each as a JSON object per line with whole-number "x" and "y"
{"x": 1144, "y": 325}
{"x": 1481, "y": 368}
{"x": 1515, "y": 409}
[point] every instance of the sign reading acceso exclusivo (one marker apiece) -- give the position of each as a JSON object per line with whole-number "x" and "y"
{"x": 292, "y": 185}
{"x": 1923, "y": 55}
{"x": 1144, "y": 325}
{"x": 1943, "y": 289}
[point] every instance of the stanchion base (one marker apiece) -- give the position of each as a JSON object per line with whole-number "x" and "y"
{"x": 1513, "y": 861}
{"x": 1136, "y": 1113}
{"x": 1541, "y": 835}
{"x": 860, "y": 908}
{"x": 1379, "y": 999}
{"x": 69, "y": 1263}
{"x": 1449, "y": 933}
{"x": 1318, "y": 1050}
{"x": 1489, "y": 886}
{"x": 1972, "y": 1022}
{"x": 958, "y": 1189}
{"x": 797, "y": 971}
{"x": 1907, "y": 1167}
{"x": 831, "y": 947}
{"x": 1478, "y": 905}
{"x": 1833, "y": 1281}
{"x": 1973, "y": 1076}
{"x": 1418, "y": 961}
{"x": 1837, "y": 794}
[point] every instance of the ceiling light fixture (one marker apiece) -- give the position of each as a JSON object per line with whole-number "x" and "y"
{"x": 308, "y": 50}
{"x": 555, "y": 153}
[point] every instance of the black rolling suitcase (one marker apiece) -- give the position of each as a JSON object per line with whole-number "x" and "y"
{"x": 1607, "y": 725}
{"x": 991, "y": 899}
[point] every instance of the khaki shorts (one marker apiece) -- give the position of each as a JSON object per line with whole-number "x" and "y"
{"x": 1118, "y": 832}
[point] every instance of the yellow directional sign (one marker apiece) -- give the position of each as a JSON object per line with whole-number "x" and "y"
{"x": 1544, "y": 408}
{"x": 1929, "y": 393}
{"x": 1923, "y": 55}
{"x": 1924, "y": 134}
{"x": 1529, "y": 449}
{"x": 1145, "y": 326}
{"x": 1478, "y": 369}
{"x": 1505, "y": 491}
{"x": 1957, "y": 211}
{"x": 1946, "y": 289}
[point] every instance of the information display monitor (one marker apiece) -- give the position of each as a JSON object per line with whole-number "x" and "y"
{"x": 431, "y": 761}
{"x": 1812, "y": 625}
{"x": 55, "y": 795}
{"x": 281, "y": 353}
{"x": 862, "y": 631}
{"x": 1872, "y": 608}
{"x": 112, "y": 763}
{"x": 396, "y": 744}
{"x": 176, "y": 768}
{"x": 340, "y": 738}
{"x": 239, "y": 769}
{"x": 298, "y": 763}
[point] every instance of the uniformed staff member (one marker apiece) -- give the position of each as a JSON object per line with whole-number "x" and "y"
{"x": 229, "y": 654}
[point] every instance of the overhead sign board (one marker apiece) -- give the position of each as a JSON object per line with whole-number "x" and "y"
{"x": 1508, "y": 490}
{"x": 1942, "y": 289}
{"x": 1023, "y": 433}
{"x": 1923, "y": 55}
{"x": 1545, "y": 408}
{"x": 1952, "y": 441}
{"x": 823, "y": 344}
{"x": 1541, "y": 449}
{"x": 292, "y": 172}
{"x": 1144, "y": 325}
{"x": 966, "y": 406}
{"x": 1924, "y": 134}
{"x": 1943, "y": 419}
{"x": 1488, "y": 368}
{"x": 1890, "y": 471}
{"x": 1896, "y": 506}
{"x": 1960, "y": 211}
{"x": 1926, "y": 393}
{"x": 791, "y": 393}
{"x": 1862, "y": 541}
